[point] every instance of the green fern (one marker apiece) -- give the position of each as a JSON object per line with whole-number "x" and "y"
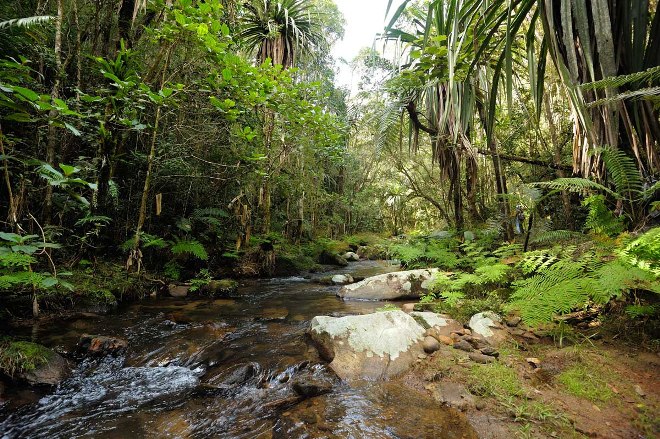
{"x": 554, "y": 236}
{"x": 600, "y": 219}
{"x": 560, "y": 284}
{"x": 623, "y": 171}
{"x": 574, "y": 184}
{"x": 452, "y": 298}
{"x": 495, "y": 273}
{"x": 644, "y": 252}
{"x": 191, "y": 247}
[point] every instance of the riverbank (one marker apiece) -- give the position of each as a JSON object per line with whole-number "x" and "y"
{"x": 589, "y": 388}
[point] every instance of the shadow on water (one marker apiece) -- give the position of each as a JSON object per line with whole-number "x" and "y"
{"x": 228, "y": 368}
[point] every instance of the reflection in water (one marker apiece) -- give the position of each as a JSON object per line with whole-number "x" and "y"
{"x": 231, "y": 368}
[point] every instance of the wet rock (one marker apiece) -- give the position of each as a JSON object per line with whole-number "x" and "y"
{"x": 397, "y": 285}
{"x": 55, "y": 370}
{"x": 513, "y": 321}
{"x": 101, "y": 345}
{"x": 233, "y": 377}
{"x": 282, "y": 403}
{"x": 463, "y": 346}
{"x": 330, "y": 258}
{"x": 341, "y": 279}
{"x": 220, "y": 288}
{"x": 308, "y": 387}
{"x": 454, "y": 395}
{"x": 478, "y": 357}
{"x": 488, "y": 325}
{"x": 370, "y": 346}
{"x": 274, "y": 314}
{"x": 175, "y": 290}
{"x": 430, "y": 344}
{"x": 350, "y": 256}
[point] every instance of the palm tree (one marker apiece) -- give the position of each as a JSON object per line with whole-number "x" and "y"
{"x": 281, "y": 30}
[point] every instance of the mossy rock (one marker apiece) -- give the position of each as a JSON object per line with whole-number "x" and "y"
{"x": 32, "y": 362}
{"x": 329, "y": 258}
{"x": 220, "y": 288}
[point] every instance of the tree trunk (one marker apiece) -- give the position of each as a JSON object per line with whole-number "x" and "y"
{"x": 51, "y": 148}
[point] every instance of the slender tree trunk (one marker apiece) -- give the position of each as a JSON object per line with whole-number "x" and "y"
{"x": 500, "y": 179}
{"x": 12, "y": 216}
{"x": 51, "y": 148}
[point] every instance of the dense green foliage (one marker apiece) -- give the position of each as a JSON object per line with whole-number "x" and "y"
{"x": 204, "y": 139}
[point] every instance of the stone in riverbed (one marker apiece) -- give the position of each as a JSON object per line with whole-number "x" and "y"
{"x": 371, "y": 346}
{"x": 51, "y": 373}
{"x": 397, "y": 285}
{"x": 453, "y": 394}
{"x": 175, "y": 290}
{"x": 101, "y": 345}
{"x": 488, "y": 325}
{"x": 351, "y": 257}
{"x": 341, "y": 279}
{"x": 330, "y": 258}
{"x": 430, "y": 344}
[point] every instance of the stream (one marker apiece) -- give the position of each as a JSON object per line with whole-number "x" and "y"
{"x": 221, "y": 368}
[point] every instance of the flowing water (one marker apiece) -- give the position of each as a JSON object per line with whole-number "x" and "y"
{"x": 220, "y": 368}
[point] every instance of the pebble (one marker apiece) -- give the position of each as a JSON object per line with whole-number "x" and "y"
{"x": 639, "y": 390}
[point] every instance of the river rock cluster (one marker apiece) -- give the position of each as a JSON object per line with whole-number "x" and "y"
{"x": 385, "y": 344}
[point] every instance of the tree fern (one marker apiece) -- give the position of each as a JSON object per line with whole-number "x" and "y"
{"x": 191, "y": 247}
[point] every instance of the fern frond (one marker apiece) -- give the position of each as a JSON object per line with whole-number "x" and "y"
{"x": 623, "y": 170}
{"x": 554, "y": 236}
{"x": 651, "y": 75}
{"x": 643, "y": 93}
{"x": 495, "y": 273}
{"x": 574, "y": 184}
{"x": 191, "y": 247}
{"x": 26, "y": 21}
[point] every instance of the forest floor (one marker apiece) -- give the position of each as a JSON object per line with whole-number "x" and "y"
{"x": 601, "y": 389}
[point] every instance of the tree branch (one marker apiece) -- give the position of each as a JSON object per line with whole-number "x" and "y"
{"x": 515, "y": 158}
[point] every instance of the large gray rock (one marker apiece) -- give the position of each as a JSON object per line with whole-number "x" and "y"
{"x": 389, "y": 286}
{"x": 489, "y": 326}
{"x": 371, "y": 346}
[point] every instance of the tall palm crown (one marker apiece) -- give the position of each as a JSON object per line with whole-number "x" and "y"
{"x": 281, "y": 30}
